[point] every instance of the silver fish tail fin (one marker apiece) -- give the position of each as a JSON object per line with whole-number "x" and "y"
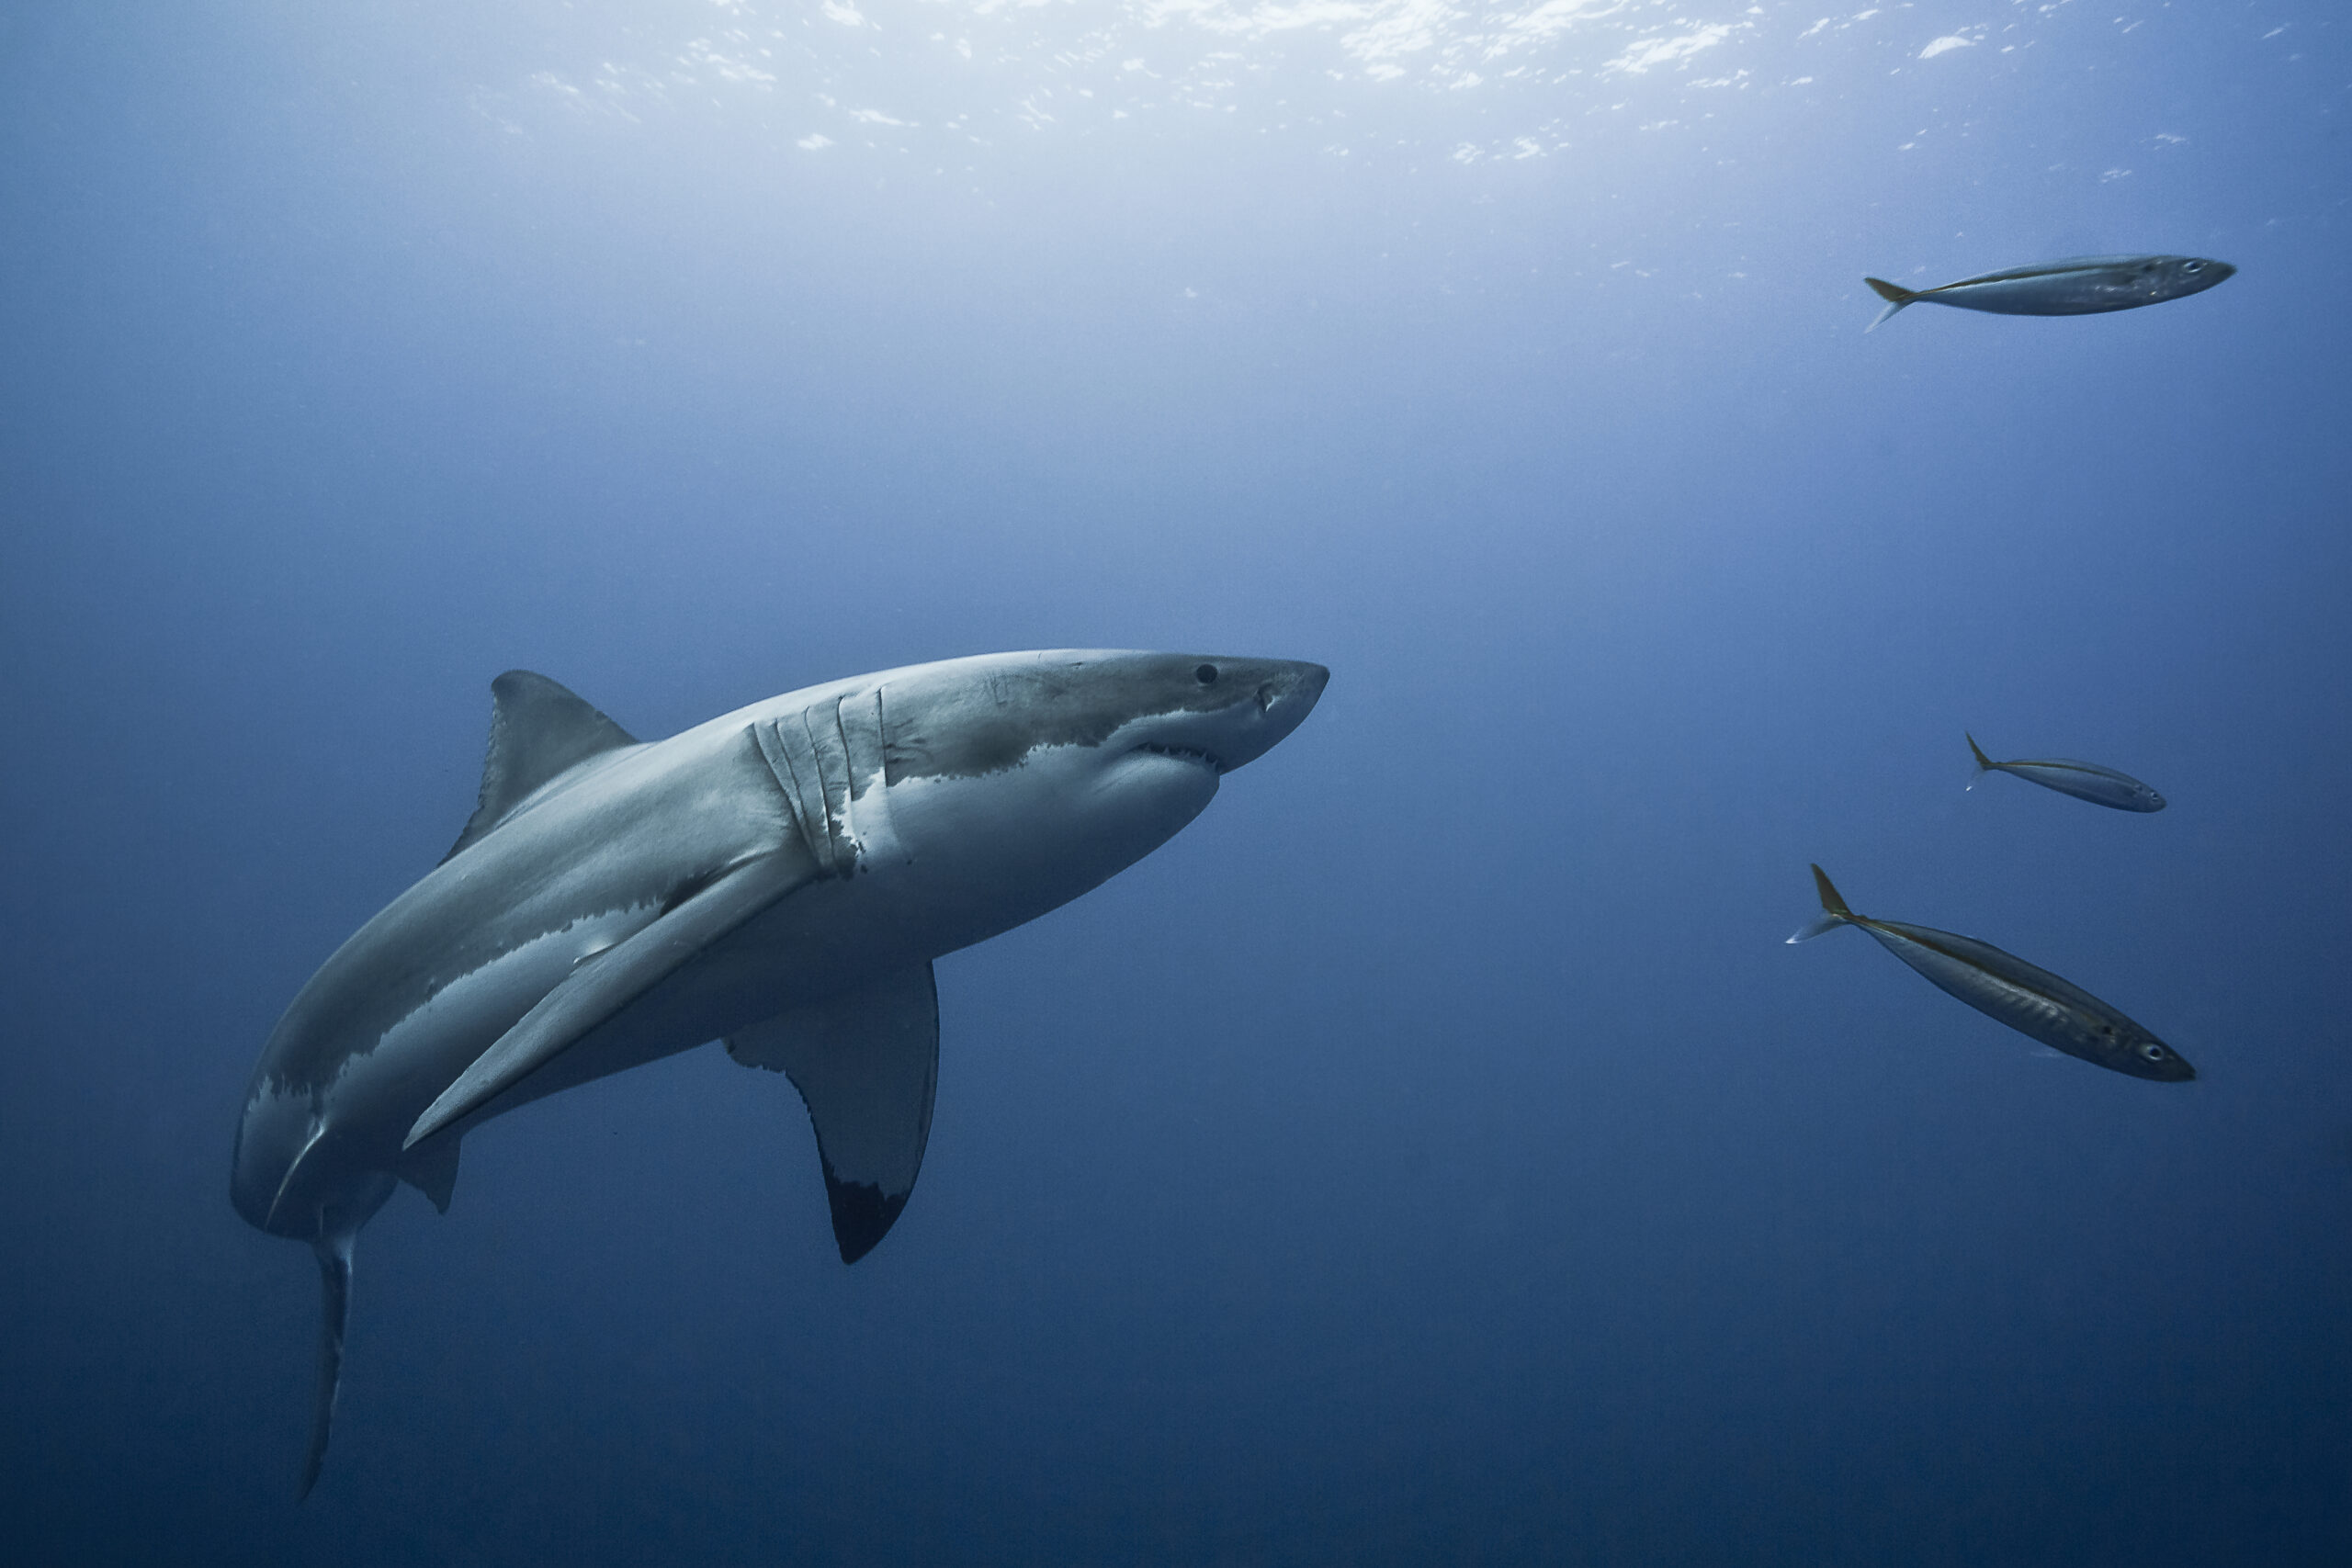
{"x": 1834, "y": 912}
{"x": 335, "y": 1276}
{"x": 1983, "y": 764}
{"x": 1896, "y": 296}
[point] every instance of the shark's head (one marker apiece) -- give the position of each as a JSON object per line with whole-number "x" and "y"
{"x": 974, "y": 718}
{"x": 1023, "y": 779}
{"x": 2170, "y": 277}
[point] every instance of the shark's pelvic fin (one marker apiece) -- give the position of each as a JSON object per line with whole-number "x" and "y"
{"x": 1834, "y": 912}
{"x": 335, "y": 1276}
{"x": 609, "y": 982}
{"x": 865, "y": 1063}
{"x": 1896, "y": 296}
{"x": 432, "y": 1168}
{"x": 537, "y": 729}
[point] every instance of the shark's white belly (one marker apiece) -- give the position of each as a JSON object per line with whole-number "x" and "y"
{"x": 970, "y": 858}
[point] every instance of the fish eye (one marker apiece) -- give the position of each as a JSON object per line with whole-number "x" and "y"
{"x": 1205, "y": 674}
{"x": 2194, "y": 266}
{"x": 2154, "y": 1052}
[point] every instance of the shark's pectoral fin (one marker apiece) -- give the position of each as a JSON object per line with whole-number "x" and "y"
{"x": 335, "y": 1276}
{"x": 613, "y": 978}
{"x": 866, "y": 1062}
{"x": 537, "y": 729}
{"x": 432, "y": 1168}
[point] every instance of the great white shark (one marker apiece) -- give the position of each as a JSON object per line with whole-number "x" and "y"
{"x": 780, "y": 878}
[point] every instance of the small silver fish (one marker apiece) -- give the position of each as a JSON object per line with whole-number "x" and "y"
{"x": 2079, "y": 286}
{"x": 2083, "y": 780}
{"x": 2004, "y": 987}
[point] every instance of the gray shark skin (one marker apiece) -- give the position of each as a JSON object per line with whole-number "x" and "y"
{"x": 2079, "y": 286}
{"x": 781, "y": 877}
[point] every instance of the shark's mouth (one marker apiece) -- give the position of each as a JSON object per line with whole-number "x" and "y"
{"x": 1208, "y": 760}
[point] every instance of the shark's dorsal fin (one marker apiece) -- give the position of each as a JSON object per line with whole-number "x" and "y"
{"x": 537, "y": 729}
{"x": 865, "y": 1063}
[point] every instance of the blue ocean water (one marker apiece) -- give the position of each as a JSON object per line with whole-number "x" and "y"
{"x": 1434, "y": 1154}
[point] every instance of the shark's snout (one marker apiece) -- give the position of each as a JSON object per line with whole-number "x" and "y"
{"x": 1278, "y": 694}
{"x": 1285, "y": 700}
{"x": 1300, "y": 683}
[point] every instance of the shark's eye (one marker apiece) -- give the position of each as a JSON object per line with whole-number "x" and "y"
{"x": 2152, "y": 1052}
{"x": 1205, "y": 674}
{"x": 2194, "y": 266}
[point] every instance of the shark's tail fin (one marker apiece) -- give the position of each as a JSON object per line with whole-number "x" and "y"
{"x": 1834, "y": 912}
{"x": 1983, "y": 764}
{"x": 1896, "y": 296}
{"x": 335, "y": 1276}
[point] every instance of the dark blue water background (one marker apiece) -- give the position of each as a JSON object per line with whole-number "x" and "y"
{"x": 1431, "y": 1155}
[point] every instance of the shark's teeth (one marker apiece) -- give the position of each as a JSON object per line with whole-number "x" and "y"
{"x": 1185, "y": 754}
